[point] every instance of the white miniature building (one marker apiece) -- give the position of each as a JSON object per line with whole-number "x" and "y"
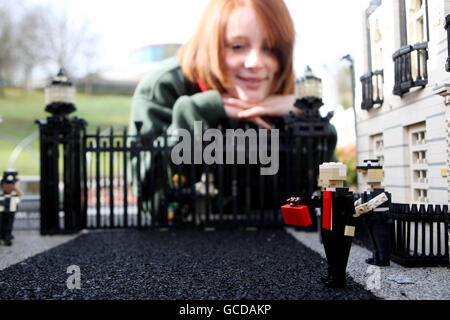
{"x": 404, "y": 119}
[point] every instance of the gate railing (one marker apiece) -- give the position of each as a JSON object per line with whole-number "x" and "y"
{"x": 131, "y": 181}
{"x": 420, "y": 234}
{"x": 115, "y": 180}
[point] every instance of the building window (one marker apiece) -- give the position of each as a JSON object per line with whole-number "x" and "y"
{"x": 420, "y": 195}
{"x": 419, "y": 157}
{"x": 418, "y": 138}
{"x": 377, "y": 148}
{"x": 416, "y": 21}
{"x": 410, "y": 61}
{"x": 372, "y": 82}
{"x": 418, "y": 162}
{"x": 420, "y": 176}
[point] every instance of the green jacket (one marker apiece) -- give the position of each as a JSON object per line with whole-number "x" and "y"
{"x": 167, "y": 98}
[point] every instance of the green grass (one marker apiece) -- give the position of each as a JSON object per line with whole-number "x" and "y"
{"x": 19, "y": 111}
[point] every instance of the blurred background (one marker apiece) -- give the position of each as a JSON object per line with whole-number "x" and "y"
{"x": 106, "y": 47}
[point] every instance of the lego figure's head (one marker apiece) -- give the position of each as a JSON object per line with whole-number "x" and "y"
{"x": 176, "y": 178}
{"x": 211, "y": 178}
{"x": 332, "y": 175}
{"x": 371, "y": 173}
{"x": 9, "y": 181}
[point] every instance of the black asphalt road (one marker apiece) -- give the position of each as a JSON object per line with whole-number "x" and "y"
{"x": 177, "y": 264}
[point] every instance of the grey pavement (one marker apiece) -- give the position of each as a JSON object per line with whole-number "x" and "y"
{"x": 27, "y": 243}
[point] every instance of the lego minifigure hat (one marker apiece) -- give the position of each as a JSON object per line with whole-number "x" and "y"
{"x": 10, "y": 176}
{"x": 370, "y": 164}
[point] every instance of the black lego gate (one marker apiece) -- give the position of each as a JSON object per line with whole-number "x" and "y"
{"x": 113, "y": 180}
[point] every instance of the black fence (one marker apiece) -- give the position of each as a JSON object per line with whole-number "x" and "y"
{"x": 131, "y": 181}
{"x": 420, "y": 235}
{"x": 27, "y": 216}
{"x": 410, "y": 67}
{"x": 114, "y": 180}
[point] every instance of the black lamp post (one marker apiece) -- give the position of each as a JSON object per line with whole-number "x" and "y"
{"x": 61, "y": 131}
{"x": 307, "y": 134}
{"x": 308, "y": 86}
{"x": 308, "y": 91}
{"x": 60, "y": 96}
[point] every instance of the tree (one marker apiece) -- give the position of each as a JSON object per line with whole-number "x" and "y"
{"x": 34, "y": 37}
{"x": 32, "y": 50}
{"x": 7, "y": 59}
{"x": 72, "y": 46}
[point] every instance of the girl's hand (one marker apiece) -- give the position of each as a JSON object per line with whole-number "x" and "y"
{"x": 272, "y": 106}
{"x": 232, "y": 110}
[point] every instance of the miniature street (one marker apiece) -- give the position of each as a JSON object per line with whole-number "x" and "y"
{"x": 170, "y": 199}
{"x": 193, "y": 264}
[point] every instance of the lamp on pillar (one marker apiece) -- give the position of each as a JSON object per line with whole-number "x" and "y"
{"x": 61, "y": 137}
{"x": 60, "y": 96}
{"x": 307, "y": 133}
{"x": 309, "y": 85}
{"x": 308, "y": 90}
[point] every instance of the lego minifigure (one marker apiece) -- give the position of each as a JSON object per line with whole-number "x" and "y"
{"x": 173, "y": 207}
{"x": 338, "y": 227}
{"x": 175, "y": 180}
{"x": 8, "y": 204}
{"x": 200, "y": 187}
{"x": 374, "y": 204}
{"x": 200, "y": 190}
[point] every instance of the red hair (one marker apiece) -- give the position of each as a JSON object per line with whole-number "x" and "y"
{"x": 201, "y": 57}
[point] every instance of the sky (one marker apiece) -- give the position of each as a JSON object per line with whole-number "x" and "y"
{"x": 326, "y": 30}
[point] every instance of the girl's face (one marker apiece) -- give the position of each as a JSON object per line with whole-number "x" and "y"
{"x": 250, "y": 65}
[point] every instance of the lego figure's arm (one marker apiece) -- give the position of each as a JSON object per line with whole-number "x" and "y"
{"x": 370, "y": 205}
{"x": 313, "y": 202}
{"x": 18, "y": 192}
{"x": 349, "y": 229}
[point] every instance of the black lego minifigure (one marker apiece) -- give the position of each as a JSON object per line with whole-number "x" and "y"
{"x": 337, "y": 221}
{"x": 9, "y": 199}
{"x": 338, "y": 227}
{"x": 374, "y": 205}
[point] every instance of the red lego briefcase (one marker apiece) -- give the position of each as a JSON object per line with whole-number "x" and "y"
{"x": 296, "y": 215}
